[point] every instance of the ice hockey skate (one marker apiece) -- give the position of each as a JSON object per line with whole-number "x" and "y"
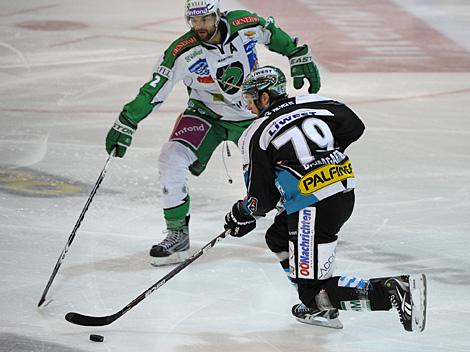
{"x": 313, "y": 316}
{"x": 408, "y": 296}
{"x": 173, "y": 249}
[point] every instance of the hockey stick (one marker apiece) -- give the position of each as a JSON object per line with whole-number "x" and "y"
{"x": 86, "y": 320}
{"x": 229, "y": 84}
{"x": 74, "y": 231}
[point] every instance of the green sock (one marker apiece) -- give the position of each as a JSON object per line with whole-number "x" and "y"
{"x": 176, "y": 217}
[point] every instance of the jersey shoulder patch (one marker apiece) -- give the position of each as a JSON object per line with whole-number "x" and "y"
{"x": 240, "y": 19}
{"x": 179, "y": 46}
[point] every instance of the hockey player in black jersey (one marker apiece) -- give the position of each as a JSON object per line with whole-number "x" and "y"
{"x": 294, "y": 153}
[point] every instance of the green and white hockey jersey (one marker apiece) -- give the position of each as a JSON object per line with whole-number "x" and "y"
{"x": 212, "y": 73}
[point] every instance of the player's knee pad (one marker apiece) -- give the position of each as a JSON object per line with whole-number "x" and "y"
{"x": 173, "y": 163}
{"x": 175, "y": 155}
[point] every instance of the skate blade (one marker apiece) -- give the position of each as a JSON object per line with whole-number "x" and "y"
{"x": 418, "y": 288}
{"x": 175, "y": 258}
{"x": 323, "y": 322}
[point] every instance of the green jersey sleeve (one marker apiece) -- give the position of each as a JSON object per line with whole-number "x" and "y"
{"x": 276, "y": 40}
{"x": 165, "y": 75}
{"x": 281, "y": 42}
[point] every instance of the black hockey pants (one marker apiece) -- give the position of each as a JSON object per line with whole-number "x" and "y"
{"x": 310, "y": 236}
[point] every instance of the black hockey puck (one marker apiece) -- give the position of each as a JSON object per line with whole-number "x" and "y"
{"x": 96, "y": 338}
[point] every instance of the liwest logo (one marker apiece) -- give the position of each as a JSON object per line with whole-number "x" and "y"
{"x": 263, "y": 72}
{"x": 283, "y": 120}
{"x": 325, "y": 176}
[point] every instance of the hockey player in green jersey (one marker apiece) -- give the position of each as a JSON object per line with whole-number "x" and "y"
{"x": 212, "y": 59}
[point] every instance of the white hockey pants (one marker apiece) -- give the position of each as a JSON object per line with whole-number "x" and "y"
{"x": 173, "y": 164}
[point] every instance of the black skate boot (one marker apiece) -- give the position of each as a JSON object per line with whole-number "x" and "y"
{"x": 173, "y": 249}
{"x": 313, "y": 316}
{"x": 408, "y": 296}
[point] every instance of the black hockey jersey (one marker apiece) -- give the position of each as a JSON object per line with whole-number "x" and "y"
{"x": 295, "y": 153}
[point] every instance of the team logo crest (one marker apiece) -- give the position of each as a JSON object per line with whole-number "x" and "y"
{"x": 231, "y": 77}
{"x": 252, "y": 204}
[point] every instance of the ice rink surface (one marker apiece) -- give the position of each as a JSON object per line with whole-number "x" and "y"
{"x": 67, "y": 68}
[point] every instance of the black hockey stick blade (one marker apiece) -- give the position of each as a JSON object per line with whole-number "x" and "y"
{"x": 41, "y": 300}
{"x": 85, "y": 320}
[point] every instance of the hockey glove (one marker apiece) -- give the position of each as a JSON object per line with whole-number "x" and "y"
{"x": 302, "y": 66}
{"x": 120, "y": 136}
{"x": 238, "y": 222}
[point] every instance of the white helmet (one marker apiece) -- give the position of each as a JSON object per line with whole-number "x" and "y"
{"x": 201, "y": 8}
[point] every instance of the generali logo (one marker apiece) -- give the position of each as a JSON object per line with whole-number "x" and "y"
{"x": 183, "y": 44}
{"x": 245, "y": 20}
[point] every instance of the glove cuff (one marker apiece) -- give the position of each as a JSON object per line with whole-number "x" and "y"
{"x": 301, "y": 59}
{"x": 122, "y": 126}
{"x": 238, "y": 209}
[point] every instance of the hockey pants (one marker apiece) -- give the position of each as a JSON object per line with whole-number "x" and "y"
{"x": 190, "y": 147}
{"x": 305, "y": 243}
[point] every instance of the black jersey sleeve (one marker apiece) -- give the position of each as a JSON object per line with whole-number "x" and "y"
{"x": 262, "y": 194}
{"x": 348, "y": 127}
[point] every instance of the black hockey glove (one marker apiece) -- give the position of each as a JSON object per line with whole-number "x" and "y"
{"x": 238, "y": 222}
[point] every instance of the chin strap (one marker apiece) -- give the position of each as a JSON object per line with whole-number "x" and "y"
{"x": 217, "y": 21}
{"x": 215, "y": 32}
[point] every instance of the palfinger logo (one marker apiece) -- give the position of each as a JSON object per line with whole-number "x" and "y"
{"x": 325, "y": 176}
